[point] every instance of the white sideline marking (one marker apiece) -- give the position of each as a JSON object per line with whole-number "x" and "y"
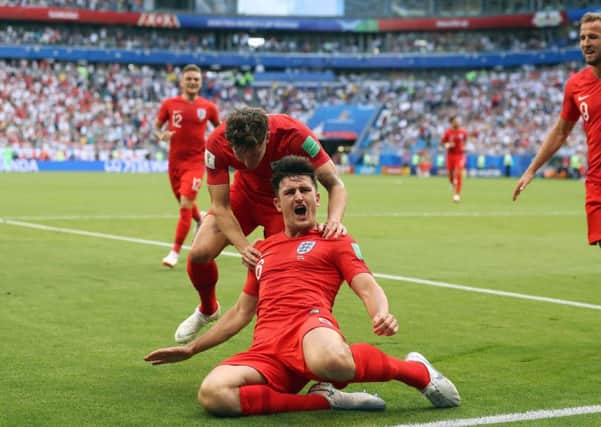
{"x": 487, "y": 291}
{"x": 380, "y": 275}
{"x": 511, "y": 418}
{"x": 87, "y": 217}
{"x": 95, "y": 234}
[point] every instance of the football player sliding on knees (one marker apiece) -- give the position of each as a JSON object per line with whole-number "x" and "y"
{"x": 297, "y": 339}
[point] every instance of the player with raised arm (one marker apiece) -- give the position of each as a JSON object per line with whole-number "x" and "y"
{"x": 250, "y": 141}
{"x": 296, "y": 339}
{"x": 582, "y": 98}
{"x": 453, "y": 140}
{"x": 187, "y": 116}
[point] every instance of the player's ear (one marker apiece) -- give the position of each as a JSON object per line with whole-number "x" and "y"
{"x": 317, "y": 198}
{"x": 276, "y": 203}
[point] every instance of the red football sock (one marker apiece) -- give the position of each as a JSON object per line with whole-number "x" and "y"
{"x": 458, "y": 182}
{"x": 204, "y": 278}
{"x": 183, "y": 226}
{"x": 195, "y": 213}
{"x": 262, "y": 399}
{"x": 373, "y": 365}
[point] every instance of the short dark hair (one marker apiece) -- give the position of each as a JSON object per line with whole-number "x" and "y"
{"x": 191, "y": 67}
{"x": 590, "y": 17}
{"x": 291, "y": 166}
{"x": 453, "y": 117}
{"x": 246, "y": 127}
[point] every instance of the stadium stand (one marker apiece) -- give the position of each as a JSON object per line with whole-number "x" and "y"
{"x": 125, "y": 37}
{"x": 62, "y": 100}
{"x": 98, "y": 111}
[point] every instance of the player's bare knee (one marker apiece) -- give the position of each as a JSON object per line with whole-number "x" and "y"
{"x": 217, "y": 398}
{"x": 208, "y": 393}
{"x": 336, "y": 363}
{"x": 199, "y": 256}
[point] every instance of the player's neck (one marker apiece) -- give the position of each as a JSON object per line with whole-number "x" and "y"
{"x": 596, "y": 70}
{"x": 293, "y": 232}
{"x": 189, "y": 97}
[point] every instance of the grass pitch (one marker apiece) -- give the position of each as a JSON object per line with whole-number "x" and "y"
{"x": 78, "y": 312}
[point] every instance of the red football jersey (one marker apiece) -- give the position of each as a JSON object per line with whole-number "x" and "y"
{"x": 582, "y": 98}
{"x": 189, "y": 122}
{"x": 456, "y": 136}
{"x": 286, "y": 136}
{"x": 299, "y": 274}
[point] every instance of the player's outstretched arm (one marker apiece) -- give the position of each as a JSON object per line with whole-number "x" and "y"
{"x": 376, "y": 304}
{"x": 228, "y": 325}
{"x": 555, "y": 139}
{"x": 337, "y": 196}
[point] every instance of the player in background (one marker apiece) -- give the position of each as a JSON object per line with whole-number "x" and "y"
{"x": 250, "y": 141}
{"x": 582, "y": 98}
{"x": 187, "y": 116}
{"x": 296, "y": 338}
{"x": 453, "y": 140}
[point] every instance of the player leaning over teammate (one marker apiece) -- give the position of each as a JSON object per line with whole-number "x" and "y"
{"x": 250, "y": 141}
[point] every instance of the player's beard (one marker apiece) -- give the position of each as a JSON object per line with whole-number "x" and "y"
{"x": 594, "y": 59}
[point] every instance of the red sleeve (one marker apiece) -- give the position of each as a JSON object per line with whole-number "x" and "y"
{"x": 569, "y": 109}
{"x": 213, "y": 114}
{"x": 305, "y": 143}
{"x": 251, "y": 286}
{"x": 215, "y": 160}
{"x": 349, "y": 259}
{"x": 163, "y": 114}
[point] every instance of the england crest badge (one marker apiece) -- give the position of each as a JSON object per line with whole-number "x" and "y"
{"x": 202, "y": 113}
{"x": 305, "y": 247}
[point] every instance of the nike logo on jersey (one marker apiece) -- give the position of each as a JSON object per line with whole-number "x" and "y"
{"x": 582, "y": 97}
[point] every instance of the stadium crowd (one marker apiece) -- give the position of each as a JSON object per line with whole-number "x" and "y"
{"x": 55, "y": 110}
{"x": 507, "y": 110}
{"x": 194, "y": 41}
{"x": 425, "y": 42}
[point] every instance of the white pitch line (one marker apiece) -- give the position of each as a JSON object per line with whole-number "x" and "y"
{"x": 95, "y": 234}
{"x": 82, "y": 232}
{"x": 511, "y": 418}
{"x": 487, "y": 291}
{"x": 87, "y": 217}
{"x": 380, "y": 275}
